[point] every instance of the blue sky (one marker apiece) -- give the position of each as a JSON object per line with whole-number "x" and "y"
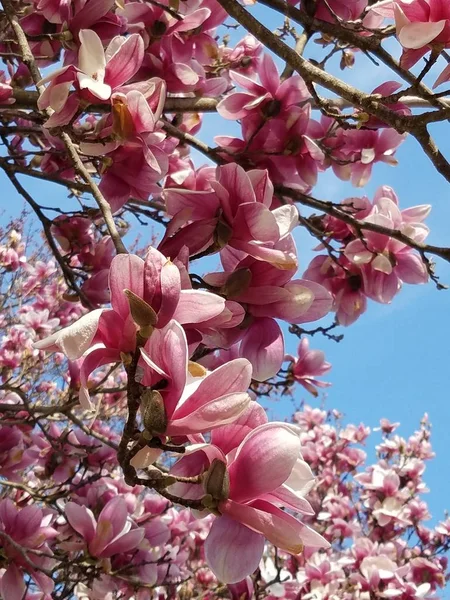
{"x": 393, "y": 362}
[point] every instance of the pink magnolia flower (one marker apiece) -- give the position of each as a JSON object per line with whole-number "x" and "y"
{"x": 344, "y": 280}
{"x": 98, "y": 74}
{"x": 267, "y": 293}
{"x": 420, "y": 24}
{"x": 113, "y": 533}
{"x": 264, "y": 473}
{"x": 15, "y": 455}
{"x": 309, "y": 365}
{"x": 386, "y": 89}
{"x": 385, "y": 262}
{"x": 28, "y": 527}
{"x": 245, "y": 57}
{"x": 132, "y": 125}
{"x": 195, "y": 400}
{"x": 156, "y": 281}
{"x": 130, "y": 174}
{"x": 236, "y": 212}
{"x": 178, "y": 50}
{"x": 268, "y": 99}
{"x": 358, "y": 150}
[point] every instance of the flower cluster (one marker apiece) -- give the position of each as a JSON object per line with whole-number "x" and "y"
{"x": 371, "y": 264}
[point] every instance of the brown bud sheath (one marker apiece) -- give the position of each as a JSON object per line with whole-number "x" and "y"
{"x": 142, "y": 313}
{"x": 222, "y": 234}
{"x": 237, "y": 283}
{"x": 153, "y": 412}
{"x": 217, "y": 481}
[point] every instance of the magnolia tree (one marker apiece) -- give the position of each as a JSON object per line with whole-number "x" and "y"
{"x": 137, "y": 462}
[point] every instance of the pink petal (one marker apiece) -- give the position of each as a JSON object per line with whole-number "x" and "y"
{"x": 196, "y": 306}
{"x": 90, "y": 14}
{"x": 287, "y": 218}
{"x": 233, "y": 376}
{"x": 280, "y": 528}
{"x": 124, "y": 543}
{"x": 95, "y": 359}
{"x": 12, "y": 584}
{"x": 263, "y": 461}
{"x": 268, "y": 74}
{"x": 234, "y": 106}
{"x": 125, "y": 62}
{"x": 263, "y": 346}
{"x": 444, "y": 76}
{"x": 91, "y": 56}
{"x": 232, "y": 550}
{"x": 258, "y": 220}
{"x": 65, "y": 115}
{"x": 284, "y": 496}
{"x": 126, "y": 272}
{"x": 236, "y": 182}
{"x": 416, "y": 35}
{"x": 410, "y": 268}
{"x": 205, "y": 416}
{"x": 81, "y": 519}
{"x": 230, "y": 436}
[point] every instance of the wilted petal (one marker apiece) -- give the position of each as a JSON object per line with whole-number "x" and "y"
{"x": 75, "y": 339}
{"x": 145, "y": 457}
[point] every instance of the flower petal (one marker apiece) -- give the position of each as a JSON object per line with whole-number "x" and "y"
{"x": 232, "y": 550}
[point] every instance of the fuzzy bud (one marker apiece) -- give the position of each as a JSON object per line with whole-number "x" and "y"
{"x": 237, "y": 283}
{"x": 142, "y": 313}
{"x": 222, "y": 234}
{"x": 154, "y": 414}
{"x": 217, "y": 481}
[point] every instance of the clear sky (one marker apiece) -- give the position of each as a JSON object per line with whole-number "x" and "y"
{"x": 394, "y": 361}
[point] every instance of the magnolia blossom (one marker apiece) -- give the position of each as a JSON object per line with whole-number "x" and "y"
{"x": 145, "y": 293}
{"x": 309, "y": 365}
{"x": 235, "y": 212}
{"x": 27, "y": 528}
{"x": 247, "y": 494}
{"x": 267, "y": 99}
{"x": 420, "y": 25}
{"x": 113, "y": 532}
{"x": 98, "y": 74}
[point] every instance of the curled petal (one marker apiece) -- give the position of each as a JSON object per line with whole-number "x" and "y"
{"x": 74, "y": 340}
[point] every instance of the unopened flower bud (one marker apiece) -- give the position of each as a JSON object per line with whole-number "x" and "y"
{"x": 142, "y": 313}
{"x": 237, "y": 283}
{"x": 217, "y": 481}
{"x": 154, "y": 414}
{"x": 347, "y": 59}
